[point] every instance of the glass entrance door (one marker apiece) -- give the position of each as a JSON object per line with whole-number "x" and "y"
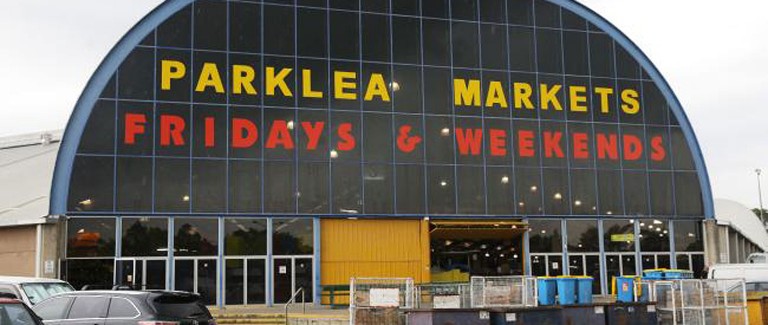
{"x": 586, "y": 265}
{"x": 290, "y": 274}
{"x": 197, "y": 275}
{"x": 141, "y": 273}
{"x": 245, "y": 281}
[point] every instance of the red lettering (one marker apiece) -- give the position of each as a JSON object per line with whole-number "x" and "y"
{"x": 313, "y": 133}
{"x": 134, "y": 124}
{"x": 633, "y": 148}
{"x": 406, "y": 142}
{"x": 469, "y": 141}
{"x": 346, "y": 139}
{"x": 279, "y": 135}
{"x": 171, "y": 128}
{"x": 607, "y": 145}
{"x": 657, "y": 148}
{"x": 244, "y": 133}
{"x": 498, "y": 142}
{"x": 525, "y": 143}
{"x": 552, "y": 144}
{"x": 210, "y": 124}
{"x": 580, "y": 145}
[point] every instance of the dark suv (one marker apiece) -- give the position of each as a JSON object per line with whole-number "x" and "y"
{"x": 124, "y": 307}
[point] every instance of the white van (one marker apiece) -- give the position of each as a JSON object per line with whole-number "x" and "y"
{"x": 755, "y": 275}
{"x": 32, "y": 290}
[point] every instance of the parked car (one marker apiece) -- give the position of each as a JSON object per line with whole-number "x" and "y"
{"x": 124, "y": 307}
{"x": 13, "y": 311}
{"x": 33, "y": 290}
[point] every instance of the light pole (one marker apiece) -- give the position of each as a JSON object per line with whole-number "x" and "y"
{"x": 760, "y": 194}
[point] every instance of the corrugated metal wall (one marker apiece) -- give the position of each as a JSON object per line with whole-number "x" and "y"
{"x": 373, "y": 248}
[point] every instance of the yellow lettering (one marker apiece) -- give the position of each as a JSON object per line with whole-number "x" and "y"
{"x": 466, "y": 94}
{"x": 522, "y": 93}
{"x": 340, "y": 84}
{"x": 630, "y": 103}
{"x": 274, "y": 81}
{"x": 306, "y": 85}
{"x": 171, "y": 70}
{"x": 209, "y": 77}
{"x": 549, "y": 95}
{"x": 578, "y": 98}
{"x": 376, "y": 87}
{"x": 496, "y": 95}
{"x": 242, "y": 77}
{"x": 604, "y": 92}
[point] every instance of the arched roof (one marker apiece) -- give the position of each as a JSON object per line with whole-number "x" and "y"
{"x": 742, "y": 219}
{"x": 130, "y": 40}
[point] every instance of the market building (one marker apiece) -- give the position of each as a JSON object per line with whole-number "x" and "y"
{"x": 245, "y": 149}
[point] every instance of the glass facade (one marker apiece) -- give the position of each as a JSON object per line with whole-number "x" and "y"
{"x": 223, "y": 137}
{"x": 335, "y": 109}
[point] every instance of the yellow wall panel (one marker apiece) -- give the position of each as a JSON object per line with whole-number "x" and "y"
{"x": 373, "y": 248}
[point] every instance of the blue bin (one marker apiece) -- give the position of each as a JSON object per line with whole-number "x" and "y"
{"x": 654, "y": 274}
{"x": 678, "y": 274}
{"x": 625, "y": 287}
{"x": 566, "y": 291}
{"x": 584, "y": 290}
{"x": 547, "y": 290}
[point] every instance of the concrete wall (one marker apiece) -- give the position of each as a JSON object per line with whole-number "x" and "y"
{"x": 17, "y": 250}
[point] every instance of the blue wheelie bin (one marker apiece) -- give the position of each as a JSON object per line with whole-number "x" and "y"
{"x": 584, "y": 290}
{"x": 625, "y": 288}
{"x": 566, "y": 290}
{"x": 547, "y": 288}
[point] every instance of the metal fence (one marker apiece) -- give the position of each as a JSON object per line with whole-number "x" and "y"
{"x": 502, "y": 291}
{"x": 710, "y": 301}
{"x": 379, "y": 300}
{"x": 443, "y": 295}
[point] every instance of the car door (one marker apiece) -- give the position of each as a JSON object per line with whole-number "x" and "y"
{"x": 87, "y": 310}
{"x": 54, "y": 310}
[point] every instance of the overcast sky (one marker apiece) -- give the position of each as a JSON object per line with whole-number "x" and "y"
{"x": 713, "y": 53}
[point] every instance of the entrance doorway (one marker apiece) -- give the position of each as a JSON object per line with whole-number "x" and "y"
{"x": 461, "y": 249}
{"x": 197, "y": 275}
{"x": 290, "y": 274}
{"x": 141, "y": 273}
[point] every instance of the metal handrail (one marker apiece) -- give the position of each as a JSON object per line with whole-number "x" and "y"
{"x": 293, "y": 301}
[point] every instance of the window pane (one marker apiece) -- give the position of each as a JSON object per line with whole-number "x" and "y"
{"x": 145, "y": 237}
{"x": 279, "y": 179}
{"x": 55, "y": 308}
{"x": 471, "y": 190}
{"x": 410, "y": 189}
{"x": 245, "y": 236}
{"x": 619, "y": 235}
{"x": 209, "y": 185}
{"x": 654, "y": 235}
{"x": 172, "y": 185}
{"x": 347, "y": 188}
{"x": 441, "y": 188}
{"x": 313, "y": 187}
{"x": 545, "y": 236}
{"x": 196, "y": 237}
{"x": 292, "y": 236}
{"x": 121, "y": 308}
{"x": 234, "y": 274}
{"x": 688, "y": 236}
{"x": 378, "y": 189}
{"x": 94, "y": 273}
{"x": 244, "y": 186}
{"x": 91, "y": 185}
{"x": 89, "y": 307}
{"x": 256, "y": 281}
{"x": 583, "y": 236}
{"x": 501, "y": 190}
{"x": 528, "y": 189}
{"x": 90, "y": 237}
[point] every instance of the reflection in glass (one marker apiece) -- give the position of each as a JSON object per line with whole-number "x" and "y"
{"x": 245, "y": 236}
{"x": 619, "y": 235}
{"x": 96, "y": 273}
{"x": 145, "y": 237}
{"x": 292, "y": 236}
{"x": 654, "y": 235}
{"x": 196, "y": 236}
{"x": 688, "y": 236}
{"x": 583, "y": 236}
{"x": 545, "y": 236}
{"x": 90, "y": 237}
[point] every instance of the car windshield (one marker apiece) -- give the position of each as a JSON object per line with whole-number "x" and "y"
{"x": 37, "y": 292}
{"x": 15, "y": 314}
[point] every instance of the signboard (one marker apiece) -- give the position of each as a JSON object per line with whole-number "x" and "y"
{"x": 446, "y": 302}
{"x": 622, "y": 237}
{"x": 384, "y": 297}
